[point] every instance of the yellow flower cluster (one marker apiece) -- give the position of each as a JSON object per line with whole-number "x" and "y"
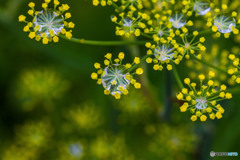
{"x": 48, "y": 23}
{"x": 190, "y": 47}
{"x": 116, "y": 76}
{"x": 129, "y": 25}
{"x": 162, "y": 54}
{"x": 235, "y": 70}
{"x": 222, "y": 20}
{"x": 203, "y": 101}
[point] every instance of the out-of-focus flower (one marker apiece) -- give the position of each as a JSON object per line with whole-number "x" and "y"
{"x": 134, "y": 107}
{"x": 110, "y": 147}
{"x": 34, "y": 134}
{"x": 86, "y": 117}
{"x": 40, "y": 86}
{"x": 172, "y": 142}
{"x": 16, "y": 152}
{"x": 71, "y": 151}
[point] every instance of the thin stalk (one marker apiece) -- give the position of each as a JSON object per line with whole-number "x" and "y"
{"x": 105, "y": 43}
{"x": 233, "y": 90}
{"x": 167, "y": 109}
{"x": 119, "y": 43}
{"x": 177, "y": 77}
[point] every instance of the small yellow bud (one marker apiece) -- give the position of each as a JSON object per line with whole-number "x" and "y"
{"x": 137, "y": 85}
{"x": 21, "y": 18}
{"x": 203, "y": 118}
{"x": 45, "y": 40}
{"x": 55, "y": 39}
{"x": 97, "y": 65}
{"x": 31, "y": 5}
{"x": 187, "y": 81}
{"x": 194, "y": 118}
{"x": 139, "y": 71}
{"x": 121, "y": 55}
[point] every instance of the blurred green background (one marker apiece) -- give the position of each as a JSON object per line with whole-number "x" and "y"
{"x": 51, "y": 109}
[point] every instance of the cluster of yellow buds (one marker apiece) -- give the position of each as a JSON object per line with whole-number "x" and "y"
{"x": 204, "y": 101}
{"x": 235, "y": 70}
{"x": 115, "y": 76}
{"x": 48, "y": 23}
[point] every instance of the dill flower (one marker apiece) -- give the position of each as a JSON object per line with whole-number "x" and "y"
{"x": 201, "y": 8}
{"x": 48, "y": 23}
{"x": 190, "y": 47}
{"x": 178, "y": 20}
{"x": 129, "y": 24}
{"x": 224, "y": 24}
{"x": 162, "y": 54}
{"x": 203, "y": 102}
{"x": 115, "y": 76}
{"x": 158, "y": 27}
{"x": 222, "y": 21}
{"x": 234, "y": 71}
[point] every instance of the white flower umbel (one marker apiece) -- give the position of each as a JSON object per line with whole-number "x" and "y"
{"x": 163, "y": 53}
{"x": 224, "y": 23}
{"x": 114, "y": 78}
{"x": 128, "y": 25}
{"x": 178, "y": 20}
{"x": 201, "y": 103}
{"x": 201, "y": 8}
{"x": 47, "y": 22}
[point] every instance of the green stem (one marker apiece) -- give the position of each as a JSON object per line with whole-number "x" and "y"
{"x": 233, "y": 90}
{"x": 177, "y": 77}
{"x": 105, "y": 43}
{"x": 209, "y": 64}
{"x": 146, "y": 87}
{"x": 146, "y": 35}
{"x": 168, "y": 104}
